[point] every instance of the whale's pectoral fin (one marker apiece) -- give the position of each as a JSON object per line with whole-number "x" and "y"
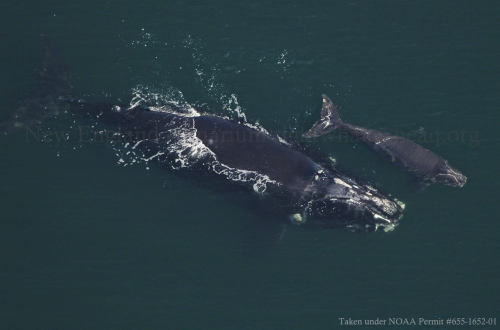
{"x": 329, "y": 121}
{"x": 53, "y": 76}
{"x": 418, "y": 186}
{"x": 261, "y": 235}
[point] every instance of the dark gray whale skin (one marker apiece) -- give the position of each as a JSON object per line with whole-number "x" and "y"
{"x": 314, "y": 195}
{"x": 422, "y": 163}
{"x": 229, "y": 153}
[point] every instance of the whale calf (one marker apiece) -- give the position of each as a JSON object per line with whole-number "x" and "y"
{"x": 234, "y": 155}
{"x": 422, "y": 163}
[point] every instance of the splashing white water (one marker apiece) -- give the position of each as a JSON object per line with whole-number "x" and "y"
{"x": 178, "y": 146}
{"x": 208, "y": 72}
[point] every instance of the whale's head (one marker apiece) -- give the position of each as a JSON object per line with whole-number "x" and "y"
{"x": 449, "y": 176}
{"x": 339, "y": 201}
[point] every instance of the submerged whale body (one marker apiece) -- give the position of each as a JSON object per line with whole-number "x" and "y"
{"x": 422, "y": 163}
{"x": 241, "y": 155}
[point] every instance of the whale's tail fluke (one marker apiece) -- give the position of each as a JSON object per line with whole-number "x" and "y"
{"x": 53, "y": 75}
{"x": 329, "y": 121}
{"x": 53, "y": 84}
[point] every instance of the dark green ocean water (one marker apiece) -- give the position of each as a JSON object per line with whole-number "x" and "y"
{"x": 87, "y": 243}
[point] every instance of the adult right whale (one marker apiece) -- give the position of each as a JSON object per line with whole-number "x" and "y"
{"x": 422, "y": 163}
{"x": 239, "y": 159}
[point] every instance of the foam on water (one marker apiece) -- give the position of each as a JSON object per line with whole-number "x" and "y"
{"x": 166, "y": 98}
{"x": 207, "y": 71}
{"x": 179, "y": 147}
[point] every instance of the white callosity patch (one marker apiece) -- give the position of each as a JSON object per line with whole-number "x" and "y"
{"x": 366, "y": 198}
{"x": 361, "y": 199}
{"x": 386, "y": 205}
{"x": 370, "y": 195}
{"x": 381, "y": 221}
